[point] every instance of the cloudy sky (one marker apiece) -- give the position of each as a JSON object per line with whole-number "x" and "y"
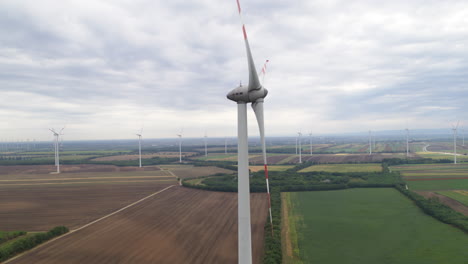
{"x": 106, "y": 68}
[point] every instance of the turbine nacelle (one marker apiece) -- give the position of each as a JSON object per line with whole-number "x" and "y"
{"x": 246, "y": 95}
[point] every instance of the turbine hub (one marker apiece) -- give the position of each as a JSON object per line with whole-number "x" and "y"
{"x": 242, "y": 94}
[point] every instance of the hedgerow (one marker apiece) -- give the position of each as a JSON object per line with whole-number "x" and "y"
{"x": 8, "y": 250}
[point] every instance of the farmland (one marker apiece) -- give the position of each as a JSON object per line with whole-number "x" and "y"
{"x": 366, "y": 167}
{"x": 458, "y": 195}
{"x": 427, "y": 179}
{"x": 38, "y": 202}
{"x": 434, "y": 176}
{"x": 144, "y": 156}
{"x": 271, "y": 168}
{"x": 175, "y": 226}
{"x": 364, "y": 231}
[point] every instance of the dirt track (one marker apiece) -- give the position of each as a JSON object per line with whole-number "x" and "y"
{"x": 455, "y": 205}
{"x": 179, "y": 225}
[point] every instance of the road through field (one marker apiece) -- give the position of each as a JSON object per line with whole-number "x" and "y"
{"x": 179, "y": 225}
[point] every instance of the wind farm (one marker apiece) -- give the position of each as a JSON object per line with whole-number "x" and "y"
{"x": 348, "y": 157}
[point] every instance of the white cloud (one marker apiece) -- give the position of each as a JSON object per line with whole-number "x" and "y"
{"x": 98, "y": 65}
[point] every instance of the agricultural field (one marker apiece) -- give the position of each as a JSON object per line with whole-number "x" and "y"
{"x": 190, "y": 171}
{"x": 432, "y": 171}
{"x": 178, "y": 225}
{"x": 364, "y": 167}
{"x": 441, "y": 155}
{"x": 347, "y": 158}
{"x": 388, "y": 228}
{"x": 447, "y": 147}
{"x": 34, "y": 200}
{"x": 431, "y": 180}
{"x": 458, "y": 195}
{"x": 271, "y": 168}
{"x": 144, "y": 156}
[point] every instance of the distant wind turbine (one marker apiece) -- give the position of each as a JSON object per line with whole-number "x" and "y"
{"x": 370, "y": 142}
{"x": 139, "y": 144}
{"x": 253, "y": 93}
{"x": 180, "y": 146}
{"x": 56, "y": 147}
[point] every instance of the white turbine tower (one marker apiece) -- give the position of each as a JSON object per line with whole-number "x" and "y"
{"x": 56, "y": 147}
{"x": 139, "y": 144}
{"x": 310, "y": 139}
{"x": 180, "y": 146}
{"x": 253, "y": 93}
{"x": 299, "y": 136}
{"x": 370, "y": 142}
{"x": 455, "y": 128}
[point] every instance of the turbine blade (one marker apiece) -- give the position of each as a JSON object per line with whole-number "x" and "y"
{"x": 257, "y": 106}
{"x": 254, "y": 82}
{"x": 258, "y": 110}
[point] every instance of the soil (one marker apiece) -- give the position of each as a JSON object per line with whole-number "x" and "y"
{"x": 144, "y": 156}
{"x": 192, "y": 172}
{"x": 44, "y": 169}
{"x": 454, "y": 204}
{"x": 41, "y": 207}
{"x": 179, "y": 225}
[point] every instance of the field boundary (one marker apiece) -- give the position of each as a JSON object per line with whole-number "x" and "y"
{"x": 91, "y": 223}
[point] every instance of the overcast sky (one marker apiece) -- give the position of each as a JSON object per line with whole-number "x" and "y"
{"x": 106, "y": 68}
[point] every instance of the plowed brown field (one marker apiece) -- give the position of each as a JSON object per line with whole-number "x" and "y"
{"x": 80, "y": 168}
{"x": 179, "y": 225}
{"x": 189, "y": 172}
{"x": 40, "y": 207}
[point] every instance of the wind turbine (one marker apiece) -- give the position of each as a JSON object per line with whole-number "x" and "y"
{"x": 139, "y": 144}
{"x": 455, "y": 128}
{"x": 310, "y": 138}
{"x": 56, "y": 147}
{"x": 253, "y": 93}
{"x": 370, "y": 142}
{"x": 299, "y": 136}
{"x": 180, "y": 146}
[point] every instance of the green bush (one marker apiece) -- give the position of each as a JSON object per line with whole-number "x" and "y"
{"x": 8, "y": 250}
{"x": 273, "y": 254}
{"x": 5, "y": 236}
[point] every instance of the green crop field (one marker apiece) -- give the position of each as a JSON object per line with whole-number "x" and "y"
{"x": 365, "y": 167}
{"x": 432, "y": 185}
{"x": 359, "y": 226}
{"x": 430, "y": 167}
{"x": 436, "y": 155}
{"x": 459, "y": 195}
{"x": 456, "y": 176}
